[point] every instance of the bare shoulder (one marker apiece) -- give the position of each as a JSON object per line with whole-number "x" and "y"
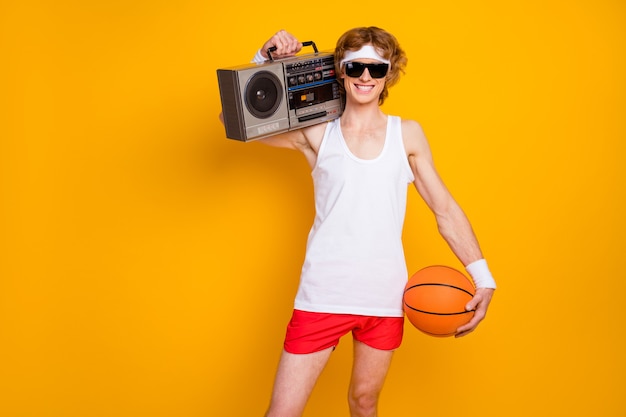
{"x": 413, "y": 136}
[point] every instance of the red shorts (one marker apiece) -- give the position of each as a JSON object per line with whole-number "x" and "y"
{"x": 309, "y": 332}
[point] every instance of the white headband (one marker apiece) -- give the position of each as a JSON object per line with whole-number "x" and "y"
{"x": 366, "y": 51}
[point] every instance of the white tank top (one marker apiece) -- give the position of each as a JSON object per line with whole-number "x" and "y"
{"x": 354, "y": 262}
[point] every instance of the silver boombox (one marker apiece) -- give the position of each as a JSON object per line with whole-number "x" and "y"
{"x": 260, "y": 100}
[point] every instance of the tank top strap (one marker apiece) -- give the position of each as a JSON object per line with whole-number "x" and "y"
{"x": 398, "y": 150}
{"x": 329, "y": 134}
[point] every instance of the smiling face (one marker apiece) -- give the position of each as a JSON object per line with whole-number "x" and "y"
{"x": 364, "y": 88}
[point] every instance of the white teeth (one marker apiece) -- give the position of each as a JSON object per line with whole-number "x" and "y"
{"x": 364, "y": 87}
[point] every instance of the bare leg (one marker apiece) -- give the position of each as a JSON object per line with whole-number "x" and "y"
{"x": 368, "y": 376}
{"x": 295, "y": 379}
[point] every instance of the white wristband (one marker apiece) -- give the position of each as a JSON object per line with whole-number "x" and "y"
{"x": 480, "y": 274}
{"x": 258, "y": 58}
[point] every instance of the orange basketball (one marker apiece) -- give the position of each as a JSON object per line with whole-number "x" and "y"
{"x": 435, "y": 298}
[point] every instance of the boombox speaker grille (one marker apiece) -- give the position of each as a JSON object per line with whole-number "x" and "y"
{"x": 263, "y": 94}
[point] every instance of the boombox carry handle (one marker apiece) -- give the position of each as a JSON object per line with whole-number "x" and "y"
{"x": 307, "y": 43}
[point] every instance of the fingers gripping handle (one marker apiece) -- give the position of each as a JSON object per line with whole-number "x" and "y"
{"x": 273, "y": 48}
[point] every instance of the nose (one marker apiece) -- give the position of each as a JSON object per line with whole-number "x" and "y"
{"x": 366, "y": 75}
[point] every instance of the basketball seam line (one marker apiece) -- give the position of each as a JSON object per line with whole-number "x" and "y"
{"x": 440, "y": 285}
{"x": 438, "y": 314}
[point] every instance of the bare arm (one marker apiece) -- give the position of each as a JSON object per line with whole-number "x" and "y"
{"x": 306, "y": 140}
{"x": 453, "y": 224}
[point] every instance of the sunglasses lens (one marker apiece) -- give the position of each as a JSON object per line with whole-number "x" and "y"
{"x": 378, "y": 70}
{"x": 355, "y": 69}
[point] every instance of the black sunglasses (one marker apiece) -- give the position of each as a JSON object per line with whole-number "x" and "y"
{"x": 355, "y": 69}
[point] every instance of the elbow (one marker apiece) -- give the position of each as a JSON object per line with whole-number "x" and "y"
{"x": 449, "y": 221}
{"x": 445, "y": 228}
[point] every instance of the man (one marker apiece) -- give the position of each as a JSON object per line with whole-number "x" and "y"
{"x": 354, "y": 270}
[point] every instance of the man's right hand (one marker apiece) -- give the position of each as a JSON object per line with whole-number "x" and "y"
{"x": 286, "y": 45}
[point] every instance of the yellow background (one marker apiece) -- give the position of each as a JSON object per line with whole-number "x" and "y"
{"x": 148, "y": 264}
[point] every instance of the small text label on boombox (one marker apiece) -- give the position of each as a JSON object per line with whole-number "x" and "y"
{"x": 264, "y": 130}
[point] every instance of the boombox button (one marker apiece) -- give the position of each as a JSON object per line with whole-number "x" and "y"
{"x": 309, "y": 110}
